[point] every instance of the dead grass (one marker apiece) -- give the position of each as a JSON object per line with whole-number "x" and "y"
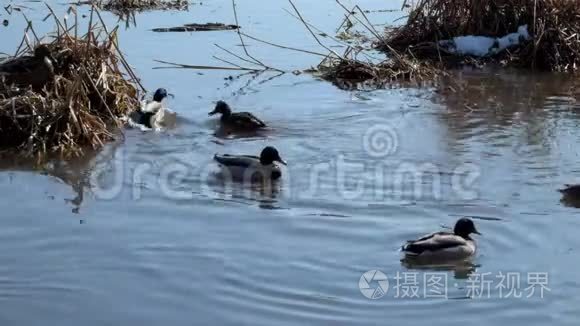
{"x": 554, "y": 25}
{"x": 350, "y": 73}
{"x": 80, "y": 105}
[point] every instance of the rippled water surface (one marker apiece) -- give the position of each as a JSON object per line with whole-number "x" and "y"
{"x": 143, "y": 233}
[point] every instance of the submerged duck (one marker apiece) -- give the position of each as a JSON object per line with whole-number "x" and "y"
{"x": 444, "y": 245}
{"x": 36, "y": 70}
{"x": 252, "y": 167}
{"x": 153, "y": 114}
{"x": 238, "y": 120}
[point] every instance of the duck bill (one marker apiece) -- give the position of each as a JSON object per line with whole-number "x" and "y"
{"x": 477, "y": 232}
{"x": 282, "y": 161}
{"x": 212, "y": 113}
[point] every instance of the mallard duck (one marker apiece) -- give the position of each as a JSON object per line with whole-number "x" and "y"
{"x": 444, "y": 245}
{"x": 35, "y": 71}
{"x": 248, "y": 167}
{"x": 153, "y": 114}
{"x": 239, "y": 120}
{"x": 571, "y": 191}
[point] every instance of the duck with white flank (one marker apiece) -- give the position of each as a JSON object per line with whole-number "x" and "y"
{"x": 247, "y": 167}
{"x": 243, "y": 121}
{"x": 444, "y": 246}
{"x": 153, "y": 114}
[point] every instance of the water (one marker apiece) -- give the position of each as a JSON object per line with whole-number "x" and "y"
{"x": 141, "y": 233}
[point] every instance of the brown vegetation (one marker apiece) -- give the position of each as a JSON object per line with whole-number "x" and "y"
{"x": 77, "y": 101}
{"x": 139, "y": 5}
{"x": 553, "y": 24}
{"x": 349, "y": 73}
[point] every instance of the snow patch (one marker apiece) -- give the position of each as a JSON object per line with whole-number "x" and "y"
{"x": 481, "y": 46}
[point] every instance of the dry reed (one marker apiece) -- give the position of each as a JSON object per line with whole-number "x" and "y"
{"x": 553, "y": 24}
{"x": 79, "y": 106}
{"x": 347, "y": 71}
{"x": 350, "y": 73}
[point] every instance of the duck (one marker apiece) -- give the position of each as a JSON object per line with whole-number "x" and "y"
{"x": 571, "y": 191}
{"x": 444, "y": 246}
{"x": 239, "y": 120}
{"x": 36, "y": 70}
{"x": 153, "y": 114}
{"x": 570, "y": 195}
{"x": 253, "y": 167}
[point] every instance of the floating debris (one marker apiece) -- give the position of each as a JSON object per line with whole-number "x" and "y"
{"x": 380, "y": 11}
{"x": 12, "y": 8}
{"x": 66, "y": 95}
{"x": 198, "y": 28}
{"x": 355, "y": 74}
{"x": 347, "y": 71}
{"x": 5, "y": 22}
{"x": 141, "y": 5}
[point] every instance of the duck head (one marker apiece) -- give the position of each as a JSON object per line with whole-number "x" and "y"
{"x": 464, "y": 227}
{"x": 43, "y": 53}
{"x": 270, "y": 155}
{"x": 160, "y": 94}
{"x": 222, "y": 108}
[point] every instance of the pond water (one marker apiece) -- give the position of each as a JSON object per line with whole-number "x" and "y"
{"x": 142, "y": 233}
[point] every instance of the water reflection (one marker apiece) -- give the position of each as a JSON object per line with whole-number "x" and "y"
{"x": 494, "y": 99}
{"x": 250, "y": 82}
{"x": 462, "y": 269}
{"x": 266, "y": 193}
{"x": 225, "y": 132}
{"x": 508, "y": 91}
{"x": 128, "y": 18}
{"x": 516, "y": 113}
{"x": 72, "y": 172}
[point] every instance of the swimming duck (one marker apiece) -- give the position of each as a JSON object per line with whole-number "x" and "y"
{"x": 572, "y": 191}
{"x": 153, "y": 114}
{"x": 35, "y": 70}
{"x": 238, "y": 120}
{"x": 444, "y": 245}
{"x": 253, "y": 167}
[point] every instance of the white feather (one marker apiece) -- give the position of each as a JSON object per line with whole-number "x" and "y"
{"x": 164, "y": 118}
{"x": 151, "y": 106}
